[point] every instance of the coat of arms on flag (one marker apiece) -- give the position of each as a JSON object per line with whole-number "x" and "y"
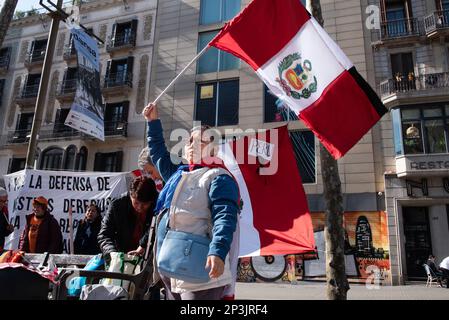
{"x": 296, "y": 78}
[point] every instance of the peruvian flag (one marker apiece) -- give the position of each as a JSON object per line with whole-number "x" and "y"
{"x": 306, "y": 69}
{"x": 275, "y": 218}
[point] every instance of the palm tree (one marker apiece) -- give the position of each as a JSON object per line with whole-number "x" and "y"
{"x": 6, "y": 16}
{"x": 334, "y": 234}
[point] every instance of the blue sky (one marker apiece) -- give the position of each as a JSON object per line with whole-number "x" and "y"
{"x": 25, "y": 5}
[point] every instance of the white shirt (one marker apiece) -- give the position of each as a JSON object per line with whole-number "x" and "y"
{"x": 445, "y": 263}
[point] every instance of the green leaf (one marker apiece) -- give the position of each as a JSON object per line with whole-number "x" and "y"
{"x": 295, "y": 95}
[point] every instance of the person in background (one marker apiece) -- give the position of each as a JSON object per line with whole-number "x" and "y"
{"x": 147, "y": 168}
{"x": 444, "y": 268}
{"x": 431, "y": 263}
{"x": 87, "y": 232}
{"x": 126, "y": 225}
{"x": 5, "y": 227}
{"x": 42, "y": 232}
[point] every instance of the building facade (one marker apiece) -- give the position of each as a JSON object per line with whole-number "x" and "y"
{"x": 411, "y": 58}
{"x": 127, "y": 29}
{"x": 394, "y": 180}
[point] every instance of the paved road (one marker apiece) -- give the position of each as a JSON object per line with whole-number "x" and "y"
{"x": 305, "y": 290}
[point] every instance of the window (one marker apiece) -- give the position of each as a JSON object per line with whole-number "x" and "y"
{"x": 25, "y": 122}
{"x": 69, "y": 83}
{"x": 422, "y": 130}
{"x": 16, "y": 164}
{"x": 108, "y": 162}
{"x": 214, "y": 60}
{"x": 38, "y": 49}
{"x": 215, "y": 11}
{"x": 51, "y": 159}
{"x": 60, "y": 127}
{"x": 31, "y": 87}
{"x": 303, "y": 141}
{"x": 116, "y": 118}
{"x": 69, "y": 158}
{"x": 81, "y": 160}
{"x": 403, "y": 71}
{"x": 119, "y": 72}
{"x": 124, "y": 34}
{"x": 4, "y": 58}
{"x": 217, "y": 103}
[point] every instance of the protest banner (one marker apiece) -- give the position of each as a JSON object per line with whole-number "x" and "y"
{"x": 64, "y": 191}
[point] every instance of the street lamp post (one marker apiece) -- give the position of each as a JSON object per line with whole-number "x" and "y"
{"x": 43, "y": 88}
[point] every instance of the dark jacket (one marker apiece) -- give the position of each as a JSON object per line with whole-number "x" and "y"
{"x": 117, "y": 227}
{"x": 49, "y": 236}
{"x": 433, "y": 266}
{"x": 4, "y": 232}
{"x": 87, "y": 242}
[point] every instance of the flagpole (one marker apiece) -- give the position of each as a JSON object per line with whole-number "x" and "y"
{"x": 181, "y": 73}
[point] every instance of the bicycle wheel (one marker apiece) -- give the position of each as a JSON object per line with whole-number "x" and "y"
{"x": 269, "y": 268}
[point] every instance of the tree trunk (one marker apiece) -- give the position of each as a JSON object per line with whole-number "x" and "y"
{"x": 337, "y": 282}
{"x": 6, "y": 16}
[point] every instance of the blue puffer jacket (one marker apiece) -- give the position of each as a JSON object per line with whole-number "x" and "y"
{"x": 223, "y": 192}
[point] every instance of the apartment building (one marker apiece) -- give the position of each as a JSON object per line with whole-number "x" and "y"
{"x": 411, "y": 62}
{"x": 127, "y": 29}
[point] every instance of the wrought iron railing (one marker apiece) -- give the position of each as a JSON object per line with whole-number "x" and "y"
{"x": 67, "y": 87}
{"x": 399, "y": 29}
{"x": 423, "y": 82}
{"x": 4, "y": 62}
{"x": 115, "y": 128}
{"x": 18, "y": 136}
{"x": 121, "y": 40}
{"x": 37, "y": 55}
{"x": 69, "y": 51}
{"x": 29, "y": 92}
{"x": 436, "y": 20}
{"x": 119, "y": 79}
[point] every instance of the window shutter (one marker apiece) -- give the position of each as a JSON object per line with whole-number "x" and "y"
{"x": 125, "y": 111}
{"x": 108, "y": 70}
{"x": 57, "y": 126}
{"x": 134, "y": 31}
{"x": 118, "y": 161}
{"x": 114, "y": 29}
{"x": 439, "y": 5}
{"x": 98, "y": 161}
{"x": 129, "y": 71}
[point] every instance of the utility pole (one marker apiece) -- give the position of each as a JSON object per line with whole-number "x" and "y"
{"x": 43, "y": 87}
{"x": 337, "y": 282}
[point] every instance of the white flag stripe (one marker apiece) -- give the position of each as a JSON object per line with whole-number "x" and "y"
{"x": 336, "y": 50}
{"x": 249, "y": 236}
{"x": 324, "y": 66}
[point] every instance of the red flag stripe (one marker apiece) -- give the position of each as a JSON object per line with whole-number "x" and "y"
{"x": 267, "y": 20}
{"x": 350, "y": 120}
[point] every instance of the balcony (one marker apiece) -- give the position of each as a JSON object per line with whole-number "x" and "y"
{"x": 437, "y": 24}
{"x": 398, "y": 32}
{"x": 121, "y": 42}
{"x": 18, "y": 137}
{"x": 35, "y": 59}
{"x": 27, "y": 95}
{"x": 115, "y": 128}
{"x": 422, "y": 89}
{"x": 66, "y": 90}
{"x": 117, "y": 84}
{"x": 69, "y": 53}
{"x": 4, "y": 64}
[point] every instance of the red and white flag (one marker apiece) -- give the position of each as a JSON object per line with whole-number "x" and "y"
{"x": 305, "y": 68}
{"x": 275, "y": 218}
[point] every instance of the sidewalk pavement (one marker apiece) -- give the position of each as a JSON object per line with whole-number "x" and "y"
{"x": 307, "y": 290}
